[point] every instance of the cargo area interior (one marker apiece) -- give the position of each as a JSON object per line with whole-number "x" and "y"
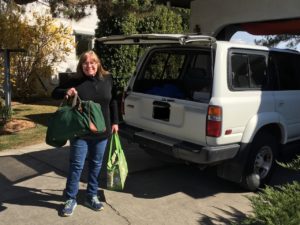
{"x": 179, "y": 74}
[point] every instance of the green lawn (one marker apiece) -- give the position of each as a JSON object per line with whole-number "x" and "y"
{"x": 37, "y": 112}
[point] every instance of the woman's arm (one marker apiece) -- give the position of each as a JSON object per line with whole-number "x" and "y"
{"x": 66, "y": 89}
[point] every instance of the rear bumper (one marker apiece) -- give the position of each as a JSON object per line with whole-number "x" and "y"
{"x": 178, "y": 148}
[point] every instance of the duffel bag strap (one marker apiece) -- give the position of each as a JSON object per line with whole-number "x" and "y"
{"x": 75, "y": 99}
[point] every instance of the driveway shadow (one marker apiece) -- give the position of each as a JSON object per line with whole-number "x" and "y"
{"x": 41, "y": 118}
{"x": 32, "y": 197}
{"x": 234, "y": 216}
{"x": 148, "y": 178}
{"x": 161, "y": 179}
{"x": 19, "y": 182}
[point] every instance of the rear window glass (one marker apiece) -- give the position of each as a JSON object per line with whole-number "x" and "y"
{"x": 163, "y": 66}
{"x": 176, "y": 73}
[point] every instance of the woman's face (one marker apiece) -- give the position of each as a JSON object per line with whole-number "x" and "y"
{"x": 89, "y": 67}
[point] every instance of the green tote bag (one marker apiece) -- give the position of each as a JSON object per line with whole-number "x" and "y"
{"x": 117, "y": 169}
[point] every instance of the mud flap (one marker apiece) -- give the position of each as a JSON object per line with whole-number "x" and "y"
{"x": 233, "y": 169}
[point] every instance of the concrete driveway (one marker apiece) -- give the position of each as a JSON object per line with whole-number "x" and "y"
{"x": 32, "y": 181}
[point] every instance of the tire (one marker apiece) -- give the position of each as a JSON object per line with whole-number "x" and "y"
{"x": 261, "y": 162}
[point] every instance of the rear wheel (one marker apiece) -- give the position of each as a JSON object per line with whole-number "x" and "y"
{"x": 261, "y": 162}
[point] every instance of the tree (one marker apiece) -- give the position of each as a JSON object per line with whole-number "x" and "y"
{"x": 71, "y": 9}
{"x": 291, "y": 41}
{"x": 76, "y": 9}
{"x": 131, "y": 17}
{"x": 45, "y": 40}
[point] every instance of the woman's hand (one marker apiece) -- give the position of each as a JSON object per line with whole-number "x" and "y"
{"x": 71, "y": 92}
{"x": 115, "y": 128}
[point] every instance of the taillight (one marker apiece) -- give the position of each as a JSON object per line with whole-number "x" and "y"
{"x": 214, "y": 121}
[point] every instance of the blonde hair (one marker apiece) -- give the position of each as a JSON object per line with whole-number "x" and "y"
{"x": 100, "y": 70}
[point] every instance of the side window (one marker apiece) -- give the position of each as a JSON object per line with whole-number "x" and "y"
{"x": 287, "y": 69}
{"x": 248, "y": 71}
{"x": 258, "y": 71}
{"x": 239, "y": 71}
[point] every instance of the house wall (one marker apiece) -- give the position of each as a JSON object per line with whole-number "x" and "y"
{"x": 85, "y": 26}
{"x": 213, "y": 15}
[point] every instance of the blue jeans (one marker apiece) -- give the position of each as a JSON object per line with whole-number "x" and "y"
{"x": 79, "y": 148}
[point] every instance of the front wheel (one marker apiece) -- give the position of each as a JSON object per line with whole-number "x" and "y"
{"x": 260, "y": 165}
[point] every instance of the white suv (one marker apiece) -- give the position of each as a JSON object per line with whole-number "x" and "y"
{"x": 214, "y": 103}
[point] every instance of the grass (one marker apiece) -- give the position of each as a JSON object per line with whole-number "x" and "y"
{"x": 37, "y": 112}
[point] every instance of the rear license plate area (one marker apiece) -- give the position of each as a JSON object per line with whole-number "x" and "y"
{"x": 161, "y": 111}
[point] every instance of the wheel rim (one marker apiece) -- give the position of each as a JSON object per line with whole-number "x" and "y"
{"x": 263, "y": 162}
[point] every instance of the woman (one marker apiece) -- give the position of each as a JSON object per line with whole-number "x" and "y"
{"x": 94, "y": 83}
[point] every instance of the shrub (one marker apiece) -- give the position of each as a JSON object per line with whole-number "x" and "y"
{"x": 277, "y": 205}
{"x": 45, "y": 40}
{"x": 137, "y": 17}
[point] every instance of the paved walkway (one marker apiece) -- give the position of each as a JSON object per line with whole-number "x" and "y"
{"x": 32, "y": 180}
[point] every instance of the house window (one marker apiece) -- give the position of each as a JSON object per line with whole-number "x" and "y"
{"x": 84, "y": 43}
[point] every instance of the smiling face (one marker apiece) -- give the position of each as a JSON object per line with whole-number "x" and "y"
{"x": 89, "y": 66}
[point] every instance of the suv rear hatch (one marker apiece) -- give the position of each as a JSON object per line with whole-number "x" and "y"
{"x": 171, "y": 89}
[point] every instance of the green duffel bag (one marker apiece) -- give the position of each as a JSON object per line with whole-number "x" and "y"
{"x": 74, "y": 120}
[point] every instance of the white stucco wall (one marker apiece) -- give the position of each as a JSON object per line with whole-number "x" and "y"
{"x": 212, "y": 15}
{"x": 86, "y": 25}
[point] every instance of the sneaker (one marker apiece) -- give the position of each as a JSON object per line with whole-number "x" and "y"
{"x": 69, "y": 207}
{"x": 94, "y": 203}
